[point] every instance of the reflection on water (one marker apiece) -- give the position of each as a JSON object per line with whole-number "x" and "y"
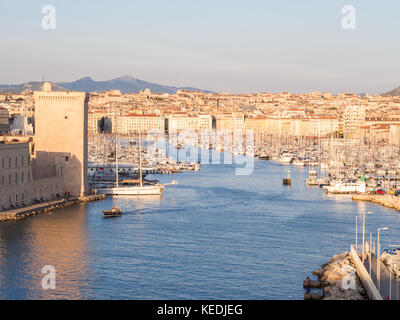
{"x": 215, "y": 235}
{"x": 53, "y": 239}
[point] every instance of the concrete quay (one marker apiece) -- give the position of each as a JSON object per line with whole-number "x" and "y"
{"x": 21, "y": 213}
{"x": 387, "y": 200}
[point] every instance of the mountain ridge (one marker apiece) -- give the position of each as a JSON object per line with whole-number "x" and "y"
{"x": 393, "y": 93}
{"x": 125, "y": 83}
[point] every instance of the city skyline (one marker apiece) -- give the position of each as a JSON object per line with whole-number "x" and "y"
{"x": 236, "y": 48}
{"x": 203, "y": 157}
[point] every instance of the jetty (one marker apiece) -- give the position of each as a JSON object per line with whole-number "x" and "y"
{"x": 387, "y": 200}
{"x": 329, "y": 285}
{"x": 35, "y": 209}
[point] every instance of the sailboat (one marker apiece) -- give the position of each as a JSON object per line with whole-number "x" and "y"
{"x": 140, "y": 189}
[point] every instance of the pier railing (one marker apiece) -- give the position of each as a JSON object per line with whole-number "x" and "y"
{"x": 366, "y": 280}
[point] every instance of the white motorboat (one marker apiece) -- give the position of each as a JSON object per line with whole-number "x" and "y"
{"x": 347, "y": 187}
{"x": 299, "y": 163}
{"x": 285, "y": 159}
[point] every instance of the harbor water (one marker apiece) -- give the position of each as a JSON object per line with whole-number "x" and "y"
{"x": 215, "y": 235}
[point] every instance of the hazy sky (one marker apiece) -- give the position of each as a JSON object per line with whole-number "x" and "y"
{"x": 220, "y": 45}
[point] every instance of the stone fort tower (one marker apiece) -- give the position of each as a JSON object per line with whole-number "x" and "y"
{"x": 61, "y": 137}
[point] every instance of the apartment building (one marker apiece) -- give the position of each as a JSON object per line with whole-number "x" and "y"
{"x": 230, "y": 122}
{"x": 15, "y": 174}
{"x": 4, "y": 119}
{"x": 353, "y": 119}
{"x": 135, "y": 123}
{"x": 258, "y": 125}
{"x": 178, "y": 122}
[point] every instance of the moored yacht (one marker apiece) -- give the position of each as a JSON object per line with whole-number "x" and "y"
{"x": 298, "y": 163}
{"x": 133, "y": 190}
{"x": 286, "y": 158}
{"x": 342, "y": 187}
{"x": 139, "y": 188}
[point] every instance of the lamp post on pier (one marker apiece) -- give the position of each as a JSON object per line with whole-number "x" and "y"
{"x": 370, "y": 252}
{"x": 363, "y": 243}
{"x": 356, "y": 234}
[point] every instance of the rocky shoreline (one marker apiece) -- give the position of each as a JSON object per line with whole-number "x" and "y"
{"x": 331, "y": 277}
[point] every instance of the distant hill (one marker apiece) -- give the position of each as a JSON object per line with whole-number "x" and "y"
{"x": 395, "y": 92}
{"x": 125, "y": 84}
{"x": 33, "y": 86}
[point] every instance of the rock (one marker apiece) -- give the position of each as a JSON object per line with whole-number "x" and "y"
{"x": 318, "y": 272}
{"x": 333, "y": 273}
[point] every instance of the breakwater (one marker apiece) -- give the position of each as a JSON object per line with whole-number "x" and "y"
{"x": 22, "y": 213}
{"x": 331, "y": 277}
{"x": 386, "y": 200}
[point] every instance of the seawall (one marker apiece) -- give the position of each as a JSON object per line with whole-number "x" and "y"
{"x": 386, "y": 200}
{"x": 22, "y": 213}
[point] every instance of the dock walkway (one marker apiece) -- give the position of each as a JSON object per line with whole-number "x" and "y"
{"x": 20, "y": 213}
{"x": 387, "y": 289}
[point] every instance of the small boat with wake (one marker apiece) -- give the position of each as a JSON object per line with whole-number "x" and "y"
{"x": 114, "y": 212}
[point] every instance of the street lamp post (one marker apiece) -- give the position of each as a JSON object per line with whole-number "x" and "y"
{"x": 370, "y": 248}
{"x": 356, "y": 235}
{"x": 363, "y": 244}
{"x": 378, "y": 259}
{"x": 390, "y": 283}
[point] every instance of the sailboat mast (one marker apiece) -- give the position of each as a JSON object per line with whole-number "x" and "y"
{"x": 116, "y": 160}
{"x": 140, "y": 161}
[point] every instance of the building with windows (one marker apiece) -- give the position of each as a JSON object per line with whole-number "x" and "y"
{"x": 135, "y": 123}
{"x": 353, "y": 120}
{"x": 182, "y": 121}
{"x": 4, "y": 119}
{"x": 20, "y": 182}
{"x": 15, "y": 174}
{"x": 230, "y": 122}
{"x": 258, "y": 125}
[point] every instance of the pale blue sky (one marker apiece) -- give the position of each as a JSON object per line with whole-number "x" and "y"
{"x": 220, "y": 45}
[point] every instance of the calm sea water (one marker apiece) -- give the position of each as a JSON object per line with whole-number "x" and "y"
{"x": 216, "y": 235}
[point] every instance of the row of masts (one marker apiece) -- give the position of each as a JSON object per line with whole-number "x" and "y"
{"x": 340, "y": 157}
{"x": 117, "y": 145}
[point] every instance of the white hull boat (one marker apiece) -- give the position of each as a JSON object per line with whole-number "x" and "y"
{"x": 298, "y": 163}
{"x": 347, "y": 187}
{"x": 286, "y": 159}
{"x": 133, "y": 190}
